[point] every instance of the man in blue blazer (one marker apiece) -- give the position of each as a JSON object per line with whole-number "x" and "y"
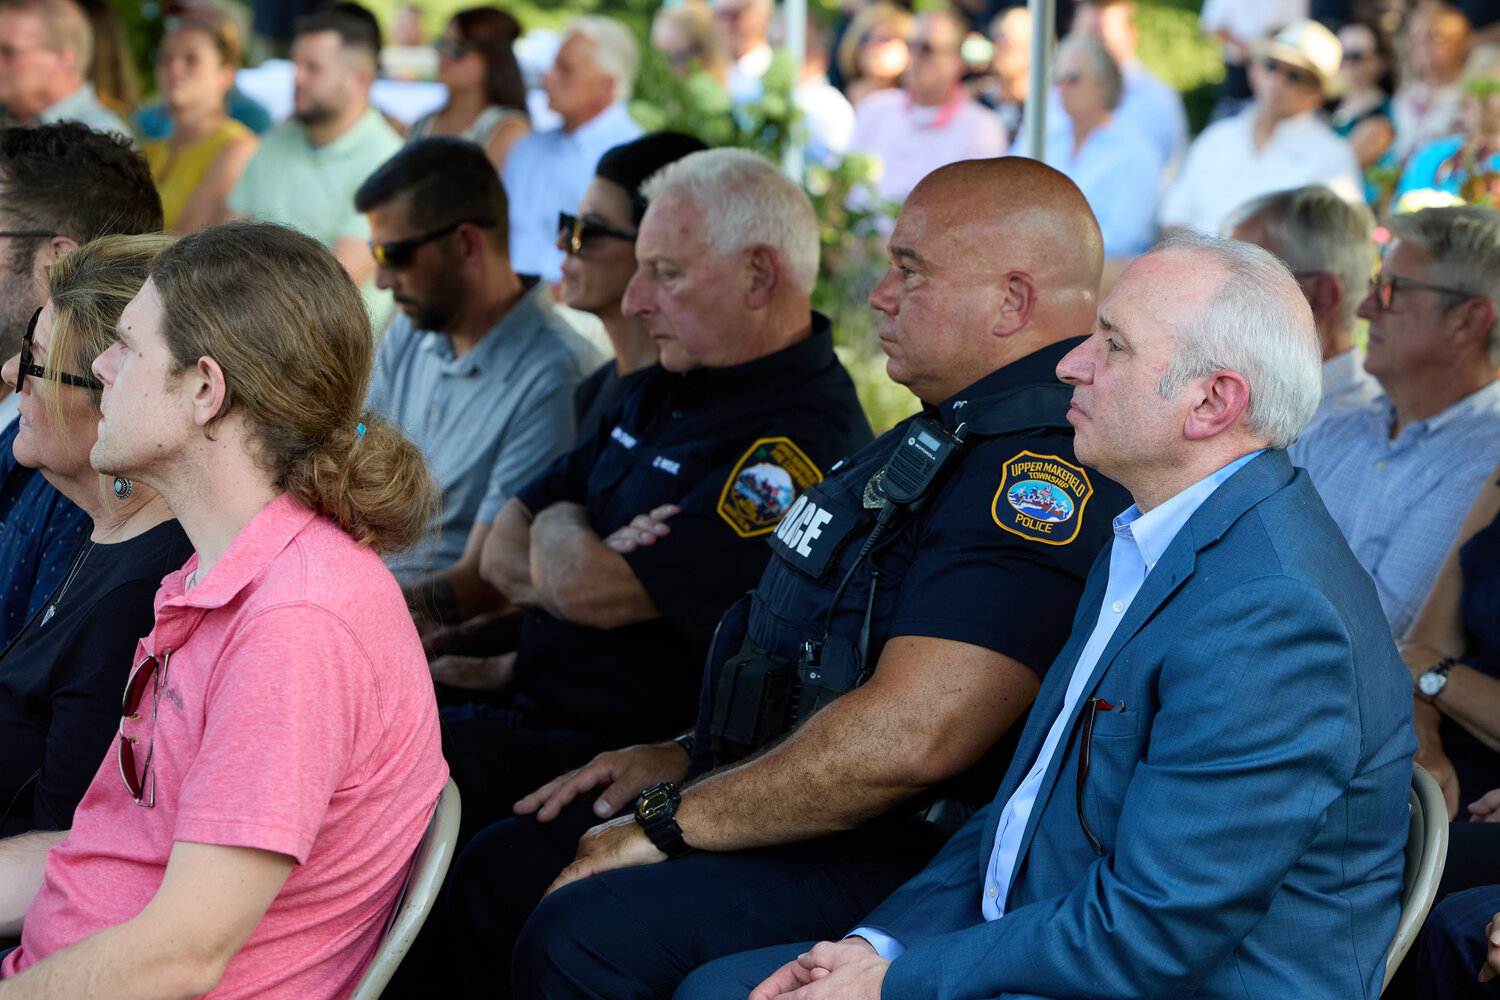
{"x": 1209, "y": 799}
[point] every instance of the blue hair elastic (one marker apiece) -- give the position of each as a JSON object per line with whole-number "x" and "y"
{"x": 359, "y": 433}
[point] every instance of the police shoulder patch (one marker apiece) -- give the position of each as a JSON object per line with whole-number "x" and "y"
{"x": 762, "y": 485}
{"x": 1041, "y": 497}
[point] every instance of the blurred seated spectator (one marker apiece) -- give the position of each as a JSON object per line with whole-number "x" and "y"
{"x": 112, "y": 70}
{"x": 1115, "y": 166}
{"x": 476, "y": 370}
{"x": 1427, "y": 107}
{"x": 685, "y": 35}
{"x": 1398, "y": 474}
{"x": 548, "y": 171}
{"x": 1006, "y": 85}
{"x": 1466, "y": 165}
{"x": 408, "y": 56}
{"x": 197, "y": 167}
{"x": 307, "y": 168}
{"x": 61, "y": 677}
{"x": 154, "y": 120}
{"x": 1329, "y": 245}
{"x": 486, "y": 95}
{"x": 76, "y": 184}
{"x": 872, "y": 55}
{"x": 1238, "y": 26}
{"x": 46, "y": 49}
{"x": 743, "y": 27}
{"x": 1148, "y": 104}
{"x": 932, "y": 121}
{"x": 1363, "y": 112}
{"x": 1453, "y": 650}
{"x": 1277, "y": 143}
{"x": 827, "y": 117}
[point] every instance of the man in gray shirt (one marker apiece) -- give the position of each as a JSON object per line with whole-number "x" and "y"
{"x": 477, "y": 369}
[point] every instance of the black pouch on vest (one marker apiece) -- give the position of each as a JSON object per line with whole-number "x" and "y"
{"x": 751, "y": 703}
{"x": 825, "y": 671}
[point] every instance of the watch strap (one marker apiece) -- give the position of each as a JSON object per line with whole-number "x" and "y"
{"x": 656, "y": 812}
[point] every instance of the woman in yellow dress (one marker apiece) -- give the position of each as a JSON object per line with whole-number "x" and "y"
{"x": 196, "y": 167}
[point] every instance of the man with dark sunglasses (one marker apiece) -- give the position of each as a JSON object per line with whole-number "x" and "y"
{"x": 1276, "y": 143}
{"x": 60, "y": 186}
{"x": 1399, "y": 473}
{"x": 477, "y": 368}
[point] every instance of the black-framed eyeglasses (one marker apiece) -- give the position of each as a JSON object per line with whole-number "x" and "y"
{"x": 398, "y": 253}
{"x": 448, "y": 47}
{"x": 574, "y": 232}
{"x": 1383, "y": 289}
{"x": 141, "y": 784}
{"x": 28, "y": 233}
{"x": 27, "y": 367}
{"x": 1293, "y": 74}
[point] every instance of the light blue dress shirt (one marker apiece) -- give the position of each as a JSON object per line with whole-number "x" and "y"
{"x": 1400, "y": 502}
{"x": 547, "y": 173}
{"x": 1140, "y": 540}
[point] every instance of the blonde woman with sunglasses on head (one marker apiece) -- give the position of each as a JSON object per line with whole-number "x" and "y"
{"x": 60, "y": 678}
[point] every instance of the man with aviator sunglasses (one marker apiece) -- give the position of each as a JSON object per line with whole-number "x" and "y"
{"x": 1276, "y": 143}
{"x": 1398, "y": 474}
{"x": 477, "y": 369}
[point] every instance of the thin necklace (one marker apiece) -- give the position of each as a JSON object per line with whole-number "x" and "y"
{"x": 83, "y": 557}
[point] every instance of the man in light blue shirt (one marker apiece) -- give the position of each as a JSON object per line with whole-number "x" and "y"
{"x": 547, "y": 172}
{"x": 1209, "y": 798}
{"x": 46, "y": 47}
{"x": 1399, "y": 473}
{"x": 477, "y": 370}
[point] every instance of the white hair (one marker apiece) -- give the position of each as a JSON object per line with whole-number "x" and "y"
{"x": 1316, "y": 230}
{"x": 1462, "y": 243}
{"x": 1258, "y": 324}
{"x": 745, "y": 202}
{"x": 1102, "y": 65}
{"x": 615, "y": 50}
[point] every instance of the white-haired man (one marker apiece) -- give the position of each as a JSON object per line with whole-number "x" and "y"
{"x": 1399, "y": 473}
{"x": 1329, "y": 244}
{"x": 1229, "y": 632}
{"x": 547, "y": 172}
{"x": 748, "y": 407}
{"x": 46, "y": 48}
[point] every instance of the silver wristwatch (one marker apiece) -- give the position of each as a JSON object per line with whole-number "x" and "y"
{"x": 1430, "y": 682}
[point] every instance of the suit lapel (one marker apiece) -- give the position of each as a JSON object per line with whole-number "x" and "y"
{"x": 1247, "y": 487}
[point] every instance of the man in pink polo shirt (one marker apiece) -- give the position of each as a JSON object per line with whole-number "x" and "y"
{"x": 279, "y": 754}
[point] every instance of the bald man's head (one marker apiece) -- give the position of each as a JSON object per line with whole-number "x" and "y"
{"x": 991, "y": 260}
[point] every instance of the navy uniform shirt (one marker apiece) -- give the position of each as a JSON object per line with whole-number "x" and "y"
{"x": 40, "y": 529}
{"x": 998, "y": 558}
{"x": 733, "y": 447}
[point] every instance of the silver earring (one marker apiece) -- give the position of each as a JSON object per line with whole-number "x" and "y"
{"x": 123, "y": 487}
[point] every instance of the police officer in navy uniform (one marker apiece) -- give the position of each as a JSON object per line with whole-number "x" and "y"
{"x": 857, "y": 704}
{"x": 748, "y": 408}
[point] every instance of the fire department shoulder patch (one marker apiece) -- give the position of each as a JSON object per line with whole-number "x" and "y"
{"x": 1041, "y": 497}
{"x": 763, "y": 484}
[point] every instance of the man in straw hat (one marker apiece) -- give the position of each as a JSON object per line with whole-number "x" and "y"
{"x": 1276, "y": 143}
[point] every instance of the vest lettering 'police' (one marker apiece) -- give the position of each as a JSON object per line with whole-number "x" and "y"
{"x": 802, "y": 525}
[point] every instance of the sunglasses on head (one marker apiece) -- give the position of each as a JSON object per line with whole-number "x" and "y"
{"x": 1383, "y": 289}
{"x": 574, "y": 233}
{"x": 27, "y": 367}
{"x": 1292, "y": 74}
{"x": 140, "y": 784}
{"x": 398, "y": 253}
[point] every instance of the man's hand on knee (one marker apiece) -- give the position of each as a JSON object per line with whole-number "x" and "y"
{"x": 627, "y": 772}
{"x": 848, "y": 970}
{"x": 620, "y": 843}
